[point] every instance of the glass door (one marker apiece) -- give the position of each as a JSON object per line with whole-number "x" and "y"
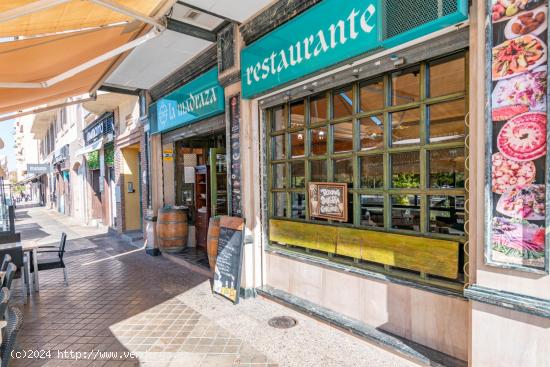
{"x": 218, "y": 181}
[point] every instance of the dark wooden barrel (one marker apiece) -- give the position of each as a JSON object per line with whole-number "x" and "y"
{"x": 212, "y": 241}
{"x": 172, "y": 229}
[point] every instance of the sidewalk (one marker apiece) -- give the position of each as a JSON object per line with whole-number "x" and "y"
{"x": 122, "y": 301}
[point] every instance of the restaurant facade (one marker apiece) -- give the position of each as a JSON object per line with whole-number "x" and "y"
{"x": 391, "y": 171}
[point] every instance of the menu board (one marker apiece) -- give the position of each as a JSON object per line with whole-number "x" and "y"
{"x": 235, "y": 151}
{"x": 328, "y": 200}
{"x": 227, "y": 273}
{"x": 517, "y": 135}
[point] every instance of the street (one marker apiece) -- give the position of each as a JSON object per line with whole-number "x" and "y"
{"x": 125, "y": 308}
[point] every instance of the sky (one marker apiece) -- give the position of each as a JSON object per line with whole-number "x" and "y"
{"x": 6, "y": 134}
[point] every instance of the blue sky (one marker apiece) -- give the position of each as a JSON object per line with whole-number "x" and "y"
{"x": 6, "y": 133}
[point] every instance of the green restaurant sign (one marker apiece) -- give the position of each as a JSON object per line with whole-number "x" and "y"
{"x": 336, "y": 30}
{"x": 201, "y": 98}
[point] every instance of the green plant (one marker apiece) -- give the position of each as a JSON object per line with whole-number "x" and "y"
{"x": 93, "y": 159}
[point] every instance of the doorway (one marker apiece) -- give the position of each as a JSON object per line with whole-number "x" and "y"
{"x": 97, "y": 207}
{"x": 132, "y": 188}
{"x": 200, "y": 181}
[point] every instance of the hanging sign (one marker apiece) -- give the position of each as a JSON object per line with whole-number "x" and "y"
{"x": 201, "y": 98}
{"x": 227, "y": 273}
{"x": 328, "y": 200}
{"x": 38, "y": 169}
{"x": 103, "y": 126}
{"x": 334, "y": 31}
{"x": 517, "y": 125}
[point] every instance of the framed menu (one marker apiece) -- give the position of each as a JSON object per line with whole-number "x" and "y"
{"x": 328, "y": 200}
{"x": 517, "y": 137}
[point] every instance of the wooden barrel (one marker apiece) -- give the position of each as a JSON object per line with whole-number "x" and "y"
{"x": 172, "y": 228}
{"x": 212, "y": 241}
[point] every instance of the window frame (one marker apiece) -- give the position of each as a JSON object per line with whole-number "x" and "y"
{"x": 424, "y": 147}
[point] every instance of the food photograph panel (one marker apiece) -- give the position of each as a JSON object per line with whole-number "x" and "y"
{"x": 517, "y": 124}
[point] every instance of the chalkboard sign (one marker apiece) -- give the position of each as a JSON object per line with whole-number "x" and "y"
{"x": 328, "y": 200}
{"x": 227, "y": 274}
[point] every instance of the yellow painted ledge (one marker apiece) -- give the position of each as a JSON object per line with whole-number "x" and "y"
{"x": 428, "y": 255}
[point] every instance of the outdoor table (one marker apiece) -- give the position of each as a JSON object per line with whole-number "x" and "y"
{"x": 28, "y": 247}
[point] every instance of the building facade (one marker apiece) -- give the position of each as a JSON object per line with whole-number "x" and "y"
{"x": 362, "y": 153}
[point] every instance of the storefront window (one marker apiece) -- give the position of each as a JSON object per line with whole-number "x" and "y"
{"x": 405, "y": 127}
{"x": 297, "y": 175}
{"x": 319, "y": 141}
{"x": 318, "y": 108}
{"x": 342, "y": 137}
{"x": 401, "y": 156}
{"x": 278, "y": 147}
{"x": 318, "y": 171}
{"x": 279, "y": 118}
{"x": 372, "y": 171}
{"x": 405, "y": 170}
{"x": 447, "y": 168}
{"x": 372, "y": 132}
{"x": 297, "y": 144}
{"x": 446, "y": 121}
{"x": 371, "y": 95}
{"x": 447, "y": 76}
{"x": 342, "y": 102}
{"x": 297, "y": 114}
{"x": 405, "y": 86}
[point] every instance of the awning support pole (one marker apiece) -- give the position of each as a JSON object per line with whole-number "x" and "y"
{"x": 44, "y": 109}
{"x": 119, "y": 8}
{"x": 29, "y": 9}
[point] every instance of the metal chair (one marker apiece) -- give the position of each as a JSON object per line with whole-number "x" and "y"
{"x": 53, "y": 263}
{"x": 4, "y": 299}
{"x": 5, "y": 262}
{"x": 14, "y": 320}
{"x": 10, "y": 274}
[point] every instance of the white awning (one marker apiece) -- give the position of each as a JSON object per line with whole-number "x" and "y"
{"x": 90, "y": 148}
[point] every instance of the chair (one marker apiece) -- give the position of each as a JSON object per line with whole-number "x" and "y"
{"x": 53, "y": 263}
{"x": 10, "y": 274}
{"x": 5, "y": 262}
{"x": 9, "y": 334}
{"x": 4, "y": 299}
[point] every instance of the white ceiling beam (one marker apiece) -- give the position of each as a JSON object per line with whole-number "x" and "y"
{"x": 29, "y": 9}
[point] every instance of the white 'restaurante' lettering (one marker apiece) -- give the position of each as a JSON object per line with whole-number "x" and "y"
{"x": 313, "y": 45}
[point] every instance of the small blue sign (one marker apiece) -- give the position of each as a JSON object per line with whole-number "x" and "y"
{"x": 334, "y": 31}
{"x": 201, "y": 98}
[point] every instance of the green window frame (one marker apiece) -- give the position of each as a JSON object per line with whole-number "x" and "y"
{"x": 288, "y": 200}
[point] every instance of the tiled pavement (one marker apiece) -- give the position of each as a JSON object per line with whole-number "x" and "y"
{"x": 121, "y": 300}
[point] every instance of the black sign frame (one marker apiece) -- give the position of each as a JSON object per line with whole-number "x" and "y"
{"x": 104, "y": 125}
{"x": 234, "y": 224}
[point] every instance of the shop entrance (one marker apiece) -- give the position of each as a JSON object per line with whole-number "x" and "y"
{"x": 96, "y": 194}
{"x": 201, "y": 181}
{"x": 132, "y": 188}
